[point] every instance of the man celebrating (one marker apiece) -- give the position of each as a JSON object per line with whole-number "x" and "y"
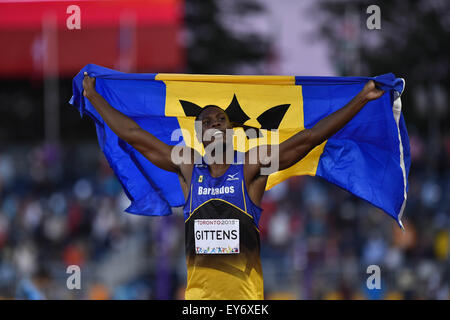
{"x": 222, "y": 198}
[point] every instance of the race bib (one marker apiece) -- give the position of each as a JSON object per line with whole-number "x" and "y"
{"x": 216, "y": 236}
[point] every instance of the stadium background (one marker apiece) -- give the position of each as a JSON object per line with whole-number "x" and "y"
{"x": 60, "y": 203}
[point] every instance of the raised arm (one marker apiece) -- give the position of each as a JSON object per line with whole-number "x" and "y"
{"x": 156, "y": 151}
{"x": 298, "y": 146}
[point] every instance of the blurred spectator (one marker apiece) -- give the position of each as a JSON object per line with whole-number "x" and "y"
{"x": 317, "y": 240}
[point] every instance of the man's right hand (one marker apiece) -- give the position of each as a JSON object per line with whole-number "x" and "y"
{"x": 88, "y": 85}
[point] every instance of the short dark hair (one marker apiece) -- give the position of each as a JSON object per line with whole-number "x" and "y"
{"x": 206, "y": 107}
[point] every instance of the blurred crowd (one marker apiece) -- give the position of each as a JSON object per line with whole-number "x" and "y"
{"x": 62, "y": 206}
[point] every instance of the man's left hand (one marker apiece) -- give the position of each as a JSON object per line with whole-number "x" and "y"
{"x": 371, "y": 91}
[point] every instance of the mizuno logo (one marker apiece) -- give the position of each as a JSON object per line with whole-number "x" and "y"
{"x": 232, "y": 177}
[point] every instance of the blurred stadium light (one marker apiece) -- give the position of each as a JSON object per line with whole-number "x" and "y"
{"x": 105, "y": 35}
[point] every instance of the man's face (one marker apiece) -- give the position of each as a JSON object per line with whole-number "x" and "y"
{"x": 214, "y": 123}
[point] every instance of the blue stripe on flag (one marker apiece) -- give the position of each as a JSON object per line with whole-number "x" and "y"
{"x": 363, "y": 157}
{"x": 152, "y": 191}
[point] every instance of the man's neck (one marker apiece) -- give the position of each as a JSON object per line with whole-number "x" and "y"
{"x": 216, "y": 169}
{"x": 219, "y": 165}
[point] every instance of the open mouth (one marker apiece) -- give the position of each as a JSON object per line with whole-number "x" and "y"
{"x": 218, "y": 133}
{"x": 214, "y": 135}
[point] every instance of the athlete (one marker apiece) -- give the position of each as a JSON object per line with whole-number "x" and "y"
{"x": 222, "y": 198}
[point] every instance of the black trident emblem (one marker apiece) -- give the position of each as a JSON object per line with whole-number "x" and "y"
{"x": 269, "y": 119}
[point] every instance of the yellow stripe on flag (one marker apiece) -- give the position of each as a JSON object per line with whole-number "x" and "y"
{"x": 255, "y": 94}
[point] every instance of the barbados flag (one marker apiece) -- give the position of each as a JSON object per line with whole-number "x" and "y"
{"x": 369, "y": 157}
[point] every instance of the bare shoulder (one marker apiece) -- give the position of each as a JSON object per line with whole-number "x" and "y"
{"x": 259, "y": 156}
{"x": 254, "y": 161}
{"x": 189, "y": 156}
{"x": 255, "y": 182}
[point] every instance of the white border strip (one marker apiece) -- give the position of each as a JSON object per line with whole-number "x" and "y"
{"x": 397, "y": 111}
